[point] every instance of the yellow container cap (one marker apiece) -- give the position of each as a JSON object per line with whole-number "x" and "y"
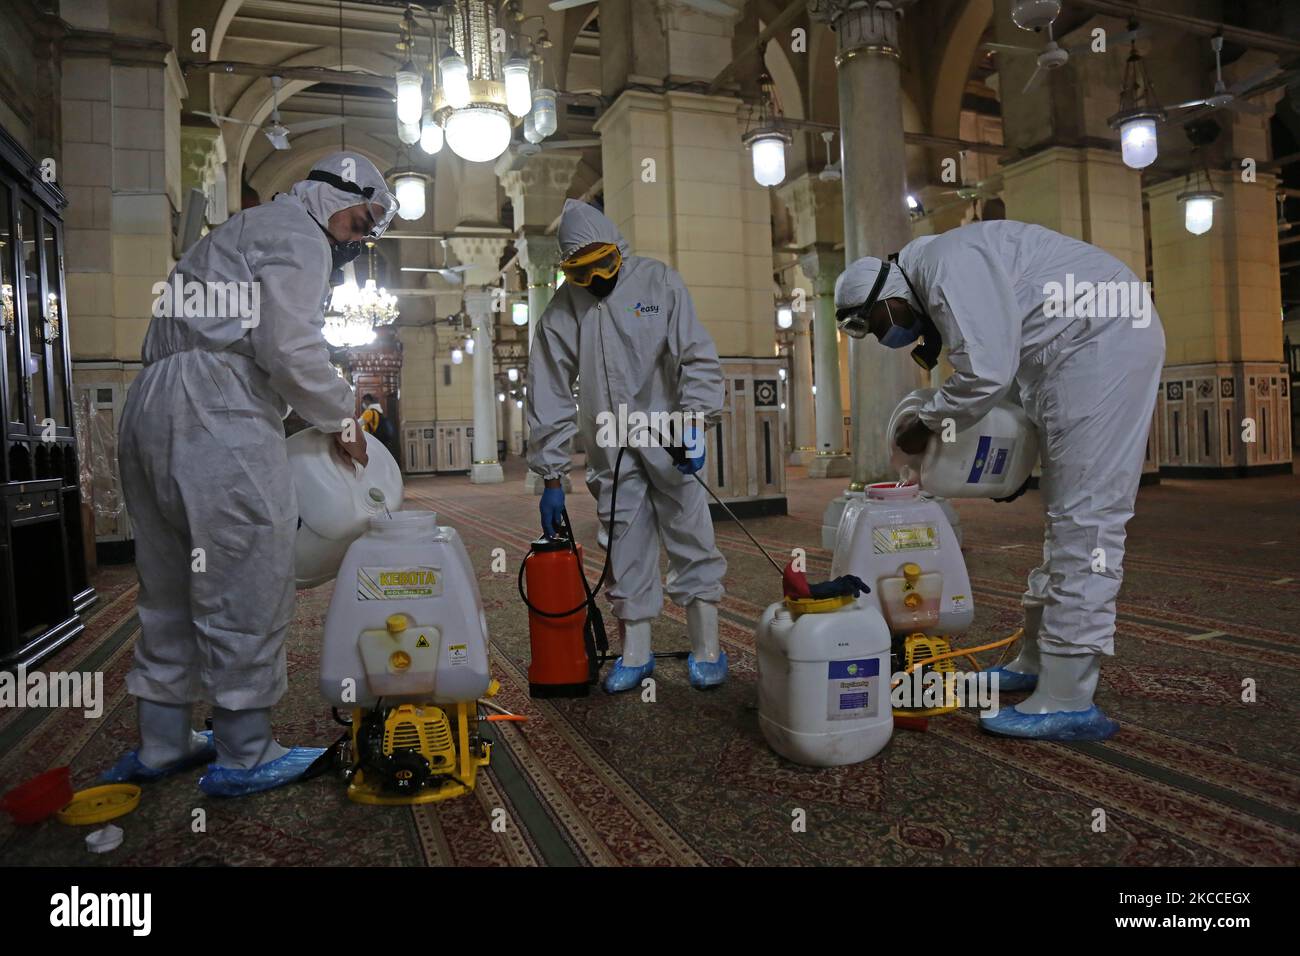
{"x": 100, "y": 804}
{"x": 396, "y": 623}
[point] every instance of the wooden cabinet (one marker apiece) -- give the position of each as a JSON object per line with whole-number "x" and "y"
{"x": 43, "y": 579}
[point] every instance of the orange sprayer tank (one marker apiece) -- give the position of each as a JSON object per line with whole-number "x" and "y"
{"x": 559, "y": 665}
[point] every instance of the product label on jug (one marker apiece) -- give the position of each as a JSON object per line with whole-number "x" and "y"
{"x": 398, "y": 584}
{"x": 854, "y": 689}
{"x": 908, "y": 537}
{"x": 991, "y": 458}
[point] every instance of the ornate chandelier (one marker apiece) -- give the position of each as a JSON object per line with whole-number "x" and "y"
{"x": 477, "y": 90}
{"x": 356, "y": 311}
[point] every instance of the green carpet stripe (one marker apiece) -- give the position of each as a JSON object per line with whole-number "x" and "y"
{"x": 31, "y": 719}
{"x": 531, "y": 815}
{"x": 1248, "y": 806}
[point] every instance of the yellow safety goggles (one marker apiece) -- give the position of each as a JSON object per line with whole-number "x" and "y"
{"x": 603, "y": 261}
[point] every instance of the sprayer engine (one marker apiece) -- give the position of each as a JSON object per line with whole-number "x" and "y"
{"x": 404, "y": 749}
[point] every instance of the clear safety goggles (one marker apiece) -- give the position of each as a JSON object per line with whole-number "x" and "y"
{"x": 853, "y": 320}
{"x": 386, "y": 203}
{"x": 381, "y": 204}
{"x": 603, "y": 261}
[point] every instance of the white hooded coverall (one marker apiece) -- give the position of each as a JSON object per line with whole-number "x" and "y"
{"x": 203, "y": 458}
{"x": 643, "y": 348}
{"x": 1088, "y": 381}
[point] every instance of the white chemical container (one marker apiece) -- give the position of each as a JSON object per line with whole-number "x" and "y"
{"x": 823, "y": 681}
{"x": 895, "y": 526}
{"x": 991, "y": 459}
{"x": 336, "y": 501}
{"x": 406, "y": 621}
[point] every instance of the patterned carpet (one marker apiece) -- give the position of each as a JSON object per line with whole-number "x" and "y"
{"x": 1196, "y": 777}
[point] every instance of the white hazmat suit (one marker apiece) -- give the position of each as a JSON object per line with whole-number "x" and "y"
{"x": 1073, "y": 328}
{"x": 640, "y": 348}
{"x": 204, "y": 465}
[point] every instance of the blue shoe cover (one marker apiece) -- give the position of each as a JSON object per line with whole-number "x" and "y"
{"x": 1012, "y": 681}
{"x": 1090, "y": 724}
{"x": 623, "y": 678}
{"x": 129, "y": 769}
{"x": 228, "y": 782}
{"x": 706, "y": 674}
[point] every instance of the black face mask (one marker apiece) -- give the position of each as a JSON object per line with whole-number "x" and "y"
{"x": 926, "y": 354}
{"x": 601, "y": 287}
{"x": 341, "y": 253}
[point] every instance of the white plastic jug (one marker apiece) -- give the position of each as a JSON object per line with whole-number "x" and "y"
{"x": 406, "y": 622}
{"x": 991, "y": 459}
{"x": 336, "y": 501}
{"x": 892, "y": 527}
{"x": 823, "y": 683}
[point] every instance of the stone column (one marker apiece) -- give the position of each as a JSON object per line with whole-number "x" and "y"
{"x": 801, "y": 393}
{"x": 485, "y": 468}
{"x": 875, "y": 209}
{"x": 540, "y": 256}
{"x": 823, "y": 266}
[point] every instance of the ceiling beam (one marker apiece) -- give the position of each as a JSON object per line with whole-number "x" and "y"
{"x": 1145, "y": 14}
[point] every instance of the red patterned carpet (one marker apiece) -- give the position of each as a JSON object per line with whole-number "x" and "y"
{"x": 1196, "y": 776}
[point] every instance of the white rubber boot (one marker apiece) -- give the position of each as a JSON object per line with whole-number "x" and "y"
{"x": 706, "y": 666}
{"x": 244, "y": 739}
{"x": 1030, "y": 658}
{"x": 637, "y": 662}
{"x": 702, "y": 628}
{"x": 1065, "y": 683}
{"x": 636, "y": 642}
{"x": 165, "y": 734}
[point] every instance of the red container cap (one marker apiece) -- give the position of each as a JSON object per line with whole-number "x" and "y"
{"x": 39, "y": 797}
{"x": 886, "y": 490}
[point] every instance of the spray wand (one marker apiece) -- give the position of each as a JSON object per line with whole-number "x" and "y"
{"x": 794, "y": 583}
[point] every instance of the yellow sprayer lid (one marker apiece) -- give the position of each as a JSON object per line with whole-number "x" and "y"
{"x": 396, "y": 623}
{"x": 799, "y": 606}
{"x": 100, "y": 804}
{"x": 911, "y": 572}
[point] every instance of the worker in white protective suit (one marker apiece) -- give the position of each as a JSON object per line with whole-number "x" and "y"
{"x": 1073, "y": 329}
{"x": 624, "y": 328}
{"x": 206, "y": 477}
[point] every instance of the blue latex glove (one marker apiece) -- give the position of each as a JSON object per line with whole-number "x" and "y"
{"x": 694, "y": 440}
{"x": 552, "y": 505}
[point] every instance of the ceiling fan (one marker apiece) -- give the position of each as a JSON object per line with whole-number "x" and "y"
{"x": 715, "y": 7}
{"x": 1054, "y": 56}
{"x": 275, "y": 131}
{"x": 831, "y": 172}
{"x": 451, "y": 274}
{"x": 1229, "y": 96}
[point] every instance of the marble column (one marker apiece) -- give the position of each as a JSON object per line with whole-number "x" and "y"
{"x": 801, "y": 390}
{"x": 875, "y": 209}
{"x": 823, "y": 266}
{"x": 540, "y": 256}
{"x": 485, "y": 468}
